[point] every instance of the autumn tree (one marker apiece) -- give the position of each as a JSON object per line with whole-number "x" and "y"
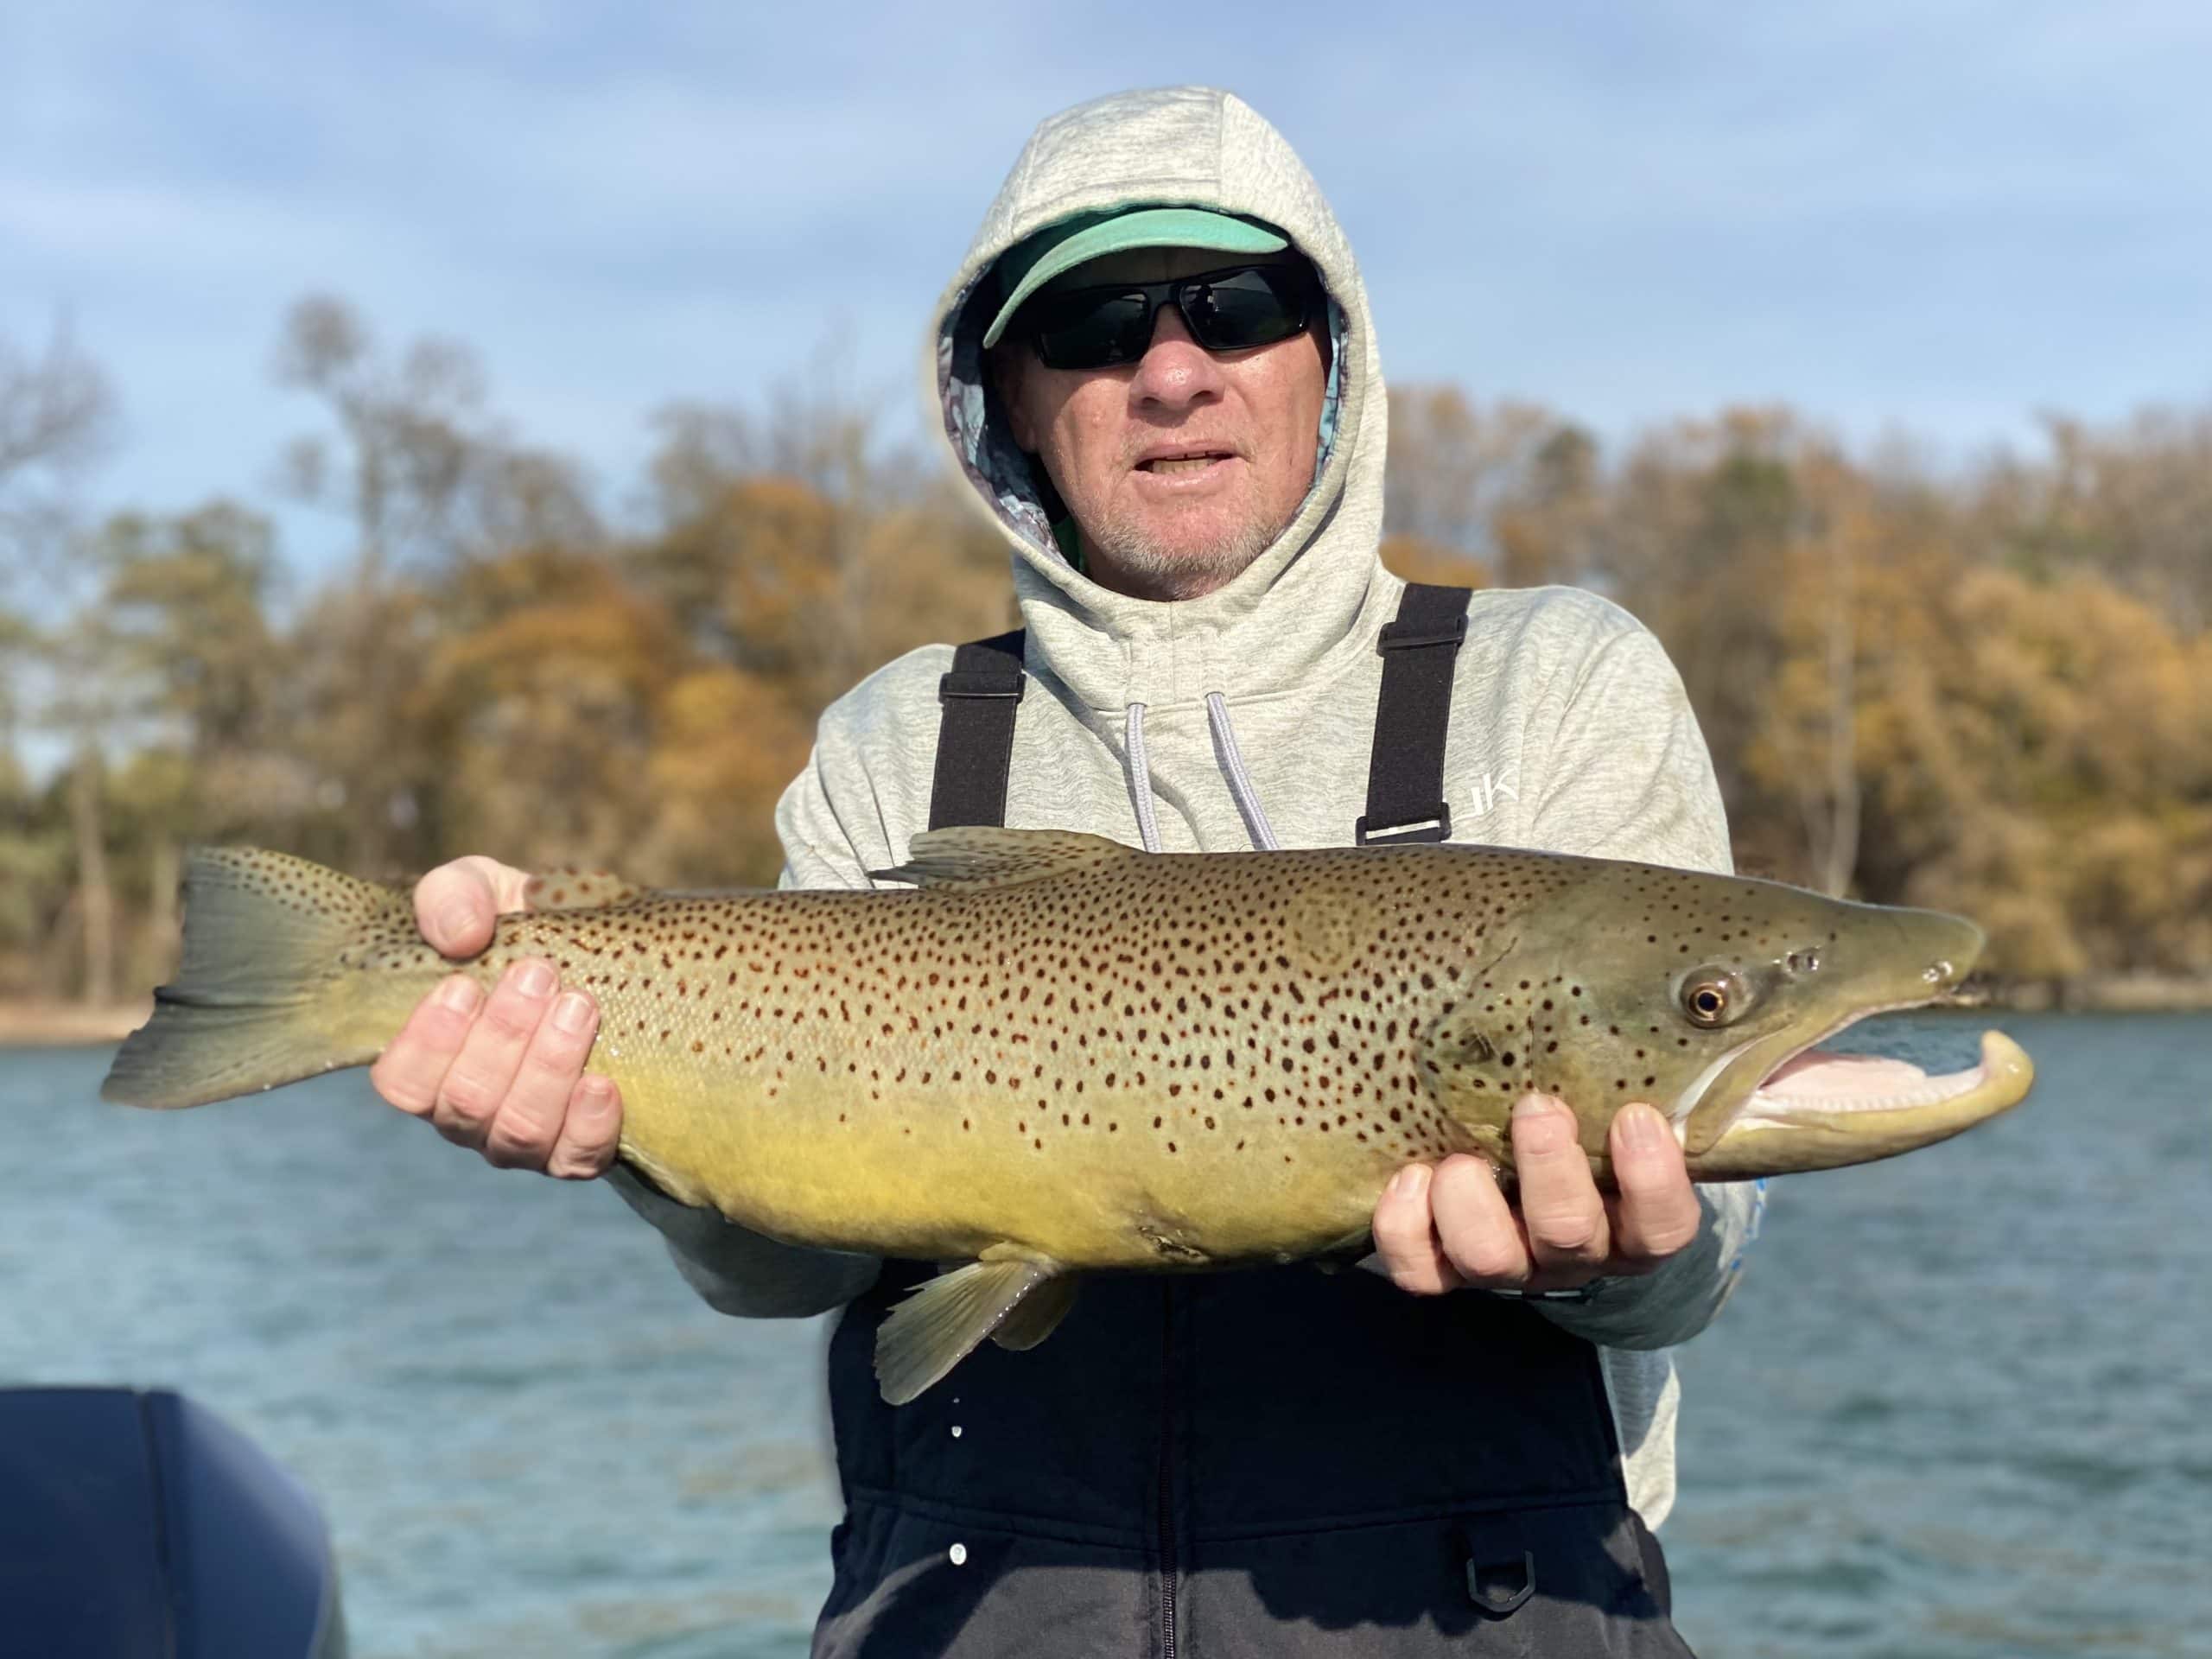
{"x": 797, "y": 549}
{"x": 422, "y": 478}
{"x": 56, "y": 412}
{"x": 1979, "y": 690}
{"x": 2130, "y": 503}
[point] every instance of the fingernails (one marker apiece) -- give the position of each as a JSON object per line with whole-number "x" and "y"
{"x": 455, "y": 923}
{"x": 1642, "y": 1127}
{"x": 458, "y": 993}
{"x": 572, "y": 1014}
{"x": 535, "y": 978}
{"x": 1542, "y": 1125}
{"x": 1410, "y": 1182}
{"x": 596, "y": 1094}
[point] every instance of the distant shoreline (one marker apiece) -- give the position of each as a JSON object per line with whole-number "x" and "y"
{"x": 2120, "y": 993}
{"x": 46, "y": 1024}
{"x": 69, "y": 1025}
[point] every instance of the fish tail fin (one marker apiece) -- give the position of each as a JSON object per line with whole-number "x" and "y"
{"x": 265, "y": 994}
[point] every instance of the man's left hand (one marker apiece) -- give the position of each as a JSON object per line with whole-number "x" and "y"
{"x": 1450, "y": 1227}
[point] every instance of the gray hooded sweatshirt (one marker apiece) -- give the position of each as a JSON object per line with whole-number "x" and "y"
{"x": 1244, "y": 718}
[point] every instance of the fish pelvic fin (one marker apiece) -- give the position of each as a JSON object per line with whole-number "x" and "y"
{"x": 973, "y": 856}
{"x": 1037, "y": 1315}
{"x": 941, "y": 1322}
{"x": 264, "y": 994}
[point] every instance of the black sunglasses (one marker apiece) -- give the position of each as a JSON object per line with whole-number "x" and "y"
{"x": 1232, "y": 309}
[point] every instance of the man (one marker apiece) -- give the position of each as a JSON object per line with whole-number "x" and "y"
{"x": 1190, "y": 475}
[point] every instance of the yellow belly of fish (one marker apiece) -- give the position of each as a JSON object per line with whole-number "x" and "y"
{"x": 948, "y": 1172}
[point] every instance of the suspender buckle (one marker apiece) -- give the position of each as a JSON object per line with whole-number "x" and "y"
{"x": 1414, "y": 636}
{"x": 1437, "y": 826}
{"x": 1501, "y": 1567}
{"x": 985, "y": 685}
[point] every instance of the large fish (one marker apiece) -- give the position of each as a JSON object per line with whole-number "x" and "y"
{"x": 1054, "y": 1053}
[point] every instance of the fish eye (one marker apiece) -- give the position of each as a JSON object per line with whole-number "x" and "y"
{"x": 1713, "y": 997}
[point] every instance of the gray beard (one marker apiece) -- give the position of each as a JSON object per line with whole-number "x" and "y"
{"x": 1147, "y": 570}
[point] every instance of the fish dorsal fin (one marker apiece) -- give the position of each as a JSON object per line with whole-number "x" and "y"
{"x": 572, "y": 888}
{"x": 975, "y": 856}
{"x": 940, "y": 1324}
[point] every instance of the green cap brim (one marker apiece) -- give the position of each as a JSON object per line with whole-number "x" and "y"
{"x": 1060, "y": 248}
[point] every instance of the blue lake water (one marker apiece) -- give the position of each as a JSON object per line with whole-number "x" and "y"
{"x": 1961, "y": 1406}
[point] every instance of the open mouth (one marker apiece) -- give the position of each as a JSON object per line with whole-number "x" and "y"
{"x": 1183, "y": 463}
{"x": 1818, "y": 1081}
{"x": 1807, "y": 1082}
{"x": 1821, "y": 1086}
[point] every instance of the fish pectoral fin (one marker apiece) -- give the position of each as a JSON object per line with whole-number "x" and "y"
{"x": 1037, "y": 1315}
{"x": 941, "y": 1322}
{"x": 571, "y": 888}
{"x": 976, "y": 856}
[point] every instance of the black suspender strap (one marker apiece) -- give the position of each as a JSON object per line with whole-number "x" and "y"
{"x": 1405, "y": 771}
{"x": 974, "y": 738}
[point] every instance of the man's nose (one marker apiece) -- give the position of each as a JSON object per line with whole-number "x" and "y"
{"x": 1175, "y": 369}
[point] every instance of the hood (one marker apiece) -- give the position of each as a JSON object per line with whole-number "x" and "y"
{"x": 1319, "y": 590}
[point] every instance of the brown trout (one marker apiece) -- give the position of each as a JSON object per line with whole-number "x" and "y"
{"x": 1052, "y": 1053}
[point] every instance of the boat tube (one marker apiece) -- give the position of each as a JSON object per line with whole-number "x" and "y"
{"x": 139, "y": 1525}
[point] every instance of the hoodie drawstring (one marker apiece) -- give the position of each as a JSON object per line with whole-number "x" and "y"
{"x": 1240, "y": 781}
{"x": 1140, "y": 778}
{"x": 1226, "y": 753}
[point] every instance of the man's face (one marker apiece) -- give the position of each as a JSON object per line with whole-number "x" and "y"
{"x": 1181, "y": 467}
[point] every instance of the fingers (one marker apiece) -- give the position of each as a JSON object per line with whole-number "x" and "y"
{"x": 503, "y": 1074}
{"x": 1438, "y": 1231}
{"x": 476, "y": 1084}
{"x": 456, "y": 903}
{"x": 589, "y": 1132}
{"x": 408, "y": 1072}
{"x": 511, "y": 1083}
{"x": 1569, "y": 1233}
{"x": 1406, "y": 1245}
{"x": 527, "y": 1122}
{"x": 1480, "y": 1236}
{"x": 1657, "y": 1213}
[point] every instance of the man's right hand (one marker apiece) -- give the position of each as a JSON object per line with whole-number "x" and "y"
{"x": 504, "y": 1074}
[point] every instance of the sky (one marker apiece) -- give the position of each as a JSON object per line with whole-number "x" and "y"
{"x": 1928, "y": 218}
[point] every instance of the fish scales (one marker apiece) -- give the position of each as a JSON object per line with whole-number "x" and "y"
{"x": 1182, "y": 1062}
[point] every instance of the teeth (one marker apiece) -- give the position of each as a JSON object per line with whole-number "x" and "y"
{"x": 1185, "y": 464}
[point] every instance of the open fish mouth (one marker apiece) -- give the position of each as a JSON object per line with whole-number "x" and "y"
{"x": 1819, "y": 1081}
{"x": 1821, "y": 1108}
